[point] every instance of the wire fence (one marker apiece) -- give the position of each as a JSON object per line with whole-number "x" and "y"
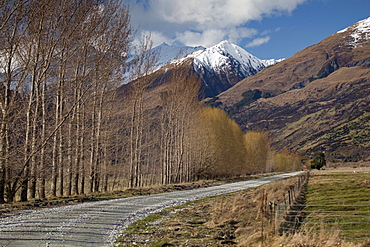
{"x": 276, "y": 211}
{"x": 344, "y": 221}
{"x": 290, "y": 214}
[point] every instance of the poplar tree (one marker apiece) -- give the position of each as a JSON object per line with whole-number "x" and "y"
{"x": 58, "y": 58}
{"x": 257, "y": 152}
{"x": 223, "y": 151}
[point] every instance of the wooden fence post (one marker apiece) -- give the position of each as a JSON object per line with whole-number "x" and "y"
{"x": 262, "y": 214}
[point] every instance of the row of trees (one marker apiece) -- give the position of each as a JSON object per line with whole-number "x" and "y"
{"x": 59, "y": 60}
{"x": 230, "y": 152}
{"x": 63, "y": 129}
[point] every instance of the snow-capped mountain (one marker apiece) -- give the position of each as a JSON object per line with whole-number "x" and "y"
{"x": 219, "y": 67}
{"x": 167, "y": 53}
{"x": 358, "y": 32}
{"x": 223, "y": 65}
{"x": 225, "y": 56}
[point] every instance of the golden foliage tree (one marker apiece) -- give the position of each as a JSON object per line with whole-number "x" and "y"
{"x": 257, "y": 149}
{"x": 286, "y": 161}
{"x": 222, "y": 144}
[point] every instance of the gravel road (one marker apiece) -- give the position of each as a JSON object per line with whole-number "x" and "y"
{"x": 100, "y": 223}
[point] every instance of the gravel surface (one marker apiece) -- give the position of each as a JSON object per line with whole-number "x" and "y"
{"x": 100, "y": 223}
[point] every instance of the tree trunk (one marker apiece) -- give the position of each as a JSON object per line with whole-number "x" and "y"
{"x": 33, "y": 165}
{"x": 92, "y": 146}
{"x": 27, "y": 149}
{"x": 78, "y": 150}
{"x": 82, "y": 153}
{"x": 42, "y": 167}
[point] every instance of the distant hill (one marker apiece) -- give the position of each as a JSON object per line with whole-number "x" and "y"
{"x": 316, "y": 100}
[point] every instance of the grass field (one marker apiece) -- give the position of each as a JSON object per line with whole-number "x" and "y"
{"x": 342, "y": 197}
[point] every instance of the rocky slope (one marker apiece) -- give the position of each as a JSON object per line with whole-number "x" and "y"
{"x": 316, "y": 100}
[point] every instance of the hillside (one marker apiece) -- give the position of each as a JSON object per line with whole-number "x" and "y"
{"x": 316, "y": 100}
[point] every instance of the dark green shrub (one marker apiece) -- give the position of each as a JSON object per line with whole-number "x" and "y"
{"x": 318, "y": 161}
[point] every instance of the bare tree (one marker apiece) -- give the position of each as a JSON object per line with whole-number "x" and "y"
{"x": 143, "y": 67}
{"x": 12, "y": 30}
{"x": 55, "y": 55}
{"x": 180, "y": 104}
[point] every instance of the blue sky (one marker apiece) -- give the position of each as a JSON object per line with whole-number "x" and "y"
{"x": 265, "y": 28}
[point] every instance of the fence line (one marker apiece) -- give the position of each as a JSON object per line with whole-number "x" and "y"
{"x": 269, "y": 209}
{"x": 290, "y": 215}
{"x": 350, "y": 221}
{"x": 350, "y": 224}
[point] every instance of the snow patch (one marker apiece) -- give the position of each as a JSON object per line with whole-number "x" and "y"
{"x": 167, "y": 53}
{"x": 181, "y": 60}
{"x": 359, "y": 32}
{"x": 269, "y": 62}
{"x": 223, "y": 55}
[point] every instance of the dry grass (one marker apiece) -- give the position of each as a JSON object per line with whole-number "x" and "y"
{"x": 229, "y": 220}
{"x": 327, "y": 238}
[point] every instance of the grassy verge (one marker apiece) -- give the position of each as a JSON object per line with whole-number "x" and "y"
{"x": 331, "y": 218}
{"x": 236, "y": 219}
{"x": 225, "y": 220}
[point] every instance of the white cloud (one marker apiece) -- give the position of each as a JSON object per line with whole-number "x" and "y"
{"x": 211, "y": 37}
{"x": 204, "y": 22}
{"x": 219, "y": 13}
{"x": 258, "y": 41}
{"x": 156, "y": 37}
{"x": 236, "y": 34}
{"x": 206, "y": 38}
{"x": 266, "y": 32}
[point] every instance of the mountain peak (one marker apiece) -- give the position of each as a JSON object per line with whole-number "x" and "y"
{"x": 225, "y": 63}
{"x": 359, "y": 32}
{"x": 224, "y": 43}
{"x": 229, "y": 47}
{"x": 164, "y": 44}
{"x": 225, "y": 53}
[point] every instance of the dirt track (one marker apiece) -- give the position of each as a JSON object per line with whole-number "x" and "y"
{"x": 100, "y": 223}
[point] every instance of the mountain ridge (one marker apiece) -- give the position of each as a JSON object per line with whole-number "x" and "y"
{"x": 219, "y": 67}
{"x": 302, "y": 101}
{"x": 167, "y": 53}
